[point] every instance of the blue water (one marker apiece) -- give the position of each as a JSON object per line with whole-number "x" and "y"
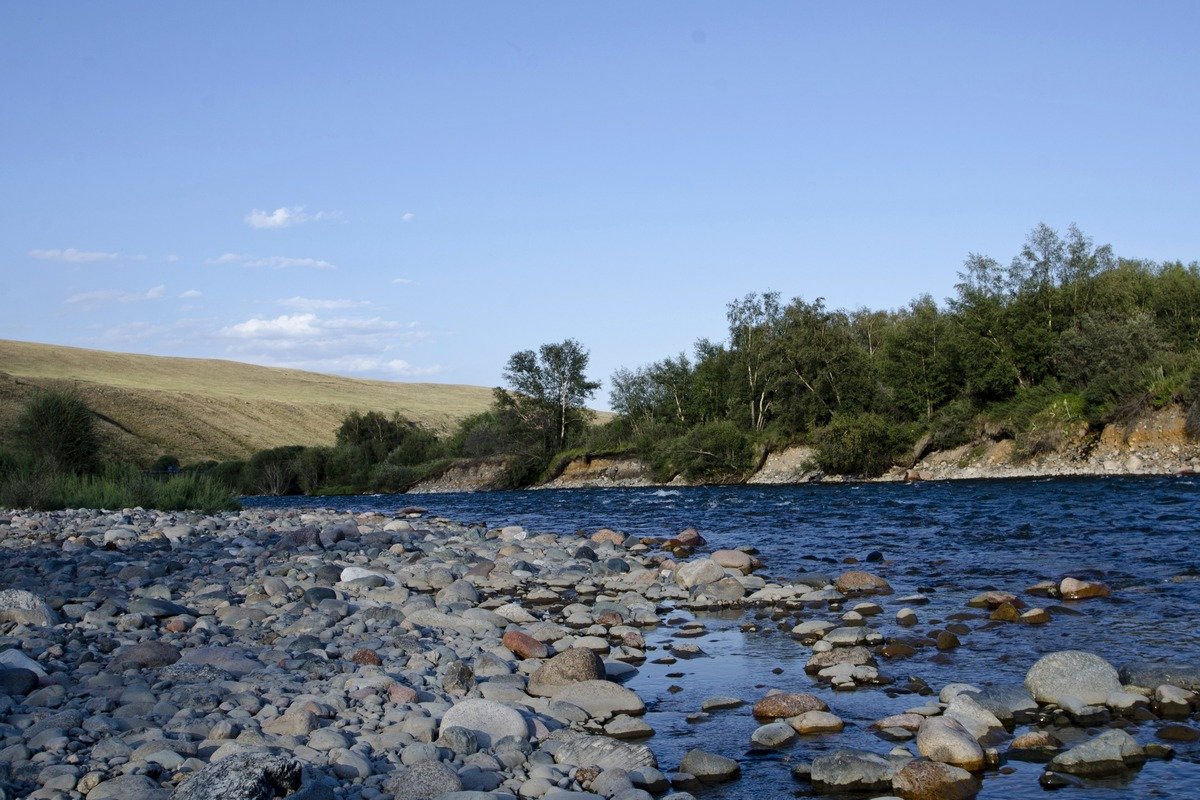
{"x": 948, "y": 540}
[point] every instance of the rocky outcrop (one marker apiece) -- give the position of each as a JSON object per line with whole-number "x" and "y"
{"x": 790, "y": 465}
{"x": 597, "y": 472}
{"x": 474, "y": 475}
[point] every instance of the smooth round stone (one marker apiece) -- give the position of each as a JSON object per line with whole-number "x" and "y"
{"x": 709, "y": 767}
{"x": 782, "y": 705}
{"x": 1073, "y": 673}
{"x": 601, "y": 699}
{"x": 929, "y": 780}
{"x": 773, "y": 734}
{"x": 488, "y": 720}
{"x": 945, "y": 740}
{"x": 812, "y": 722}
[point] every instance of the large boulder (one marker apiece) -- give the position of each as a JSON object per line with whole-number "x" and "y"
{"x": 979, "y": 722}
{"x": 733, "y": 559}
{"x": 581, "y": 750}
{"x": 709, "y": 767}
{"x": 601, "y": 699}
{"x": 928, "y": 780}
{"x": 25, "y": 608}
{"x": 945, "y": 740}
{"x": 254, "y": 776}
{"x": 488, "y": 720}
{"x": 1072, "y": 673}
{"x": 570, "y": 666}
{"x": 782, "y": 705}
{"x": 127, "y": 787}
{"x": 1151, "y": 676}
{"x": 1110, "y": 753}
{"x": 698, "y": 573}
{"x": 852, "y": 771}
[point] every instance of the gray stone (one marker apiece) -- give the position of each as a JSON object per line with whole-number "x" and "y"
{"x": 1072, "y": 672}
{"x": 144, "y": 655}
{"x": 1110, "y": 753}
{"x": 254, "y": 776}
{"x": 698, "y": 573}
{"x": 1151, "y": 676}
{"x": 570, "y": 666}
{"x": 424, "y": 781}
{"x": 709, "y": 767}
{"x": 25, "y": 608}
{"x": 601, "y": 699}
{"x": 569, "y": 747}
{"x": 488, "y": 720}
{"x": 128, "y": 787}
{"x": 945, "y": 740}
{"x": 852, "y": 771}
{"x": 773, "y": 734}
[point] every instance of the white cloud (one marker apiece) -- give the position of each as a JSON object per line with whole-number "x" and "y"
{"x": 171, "y": 259}
{"x": 408, "y": 216}
{"x": 297, "y": 326}
{"x": 401, "y": 281}
{"x": 73, "y": 256}
{"x": 278, "y": 262}
{"x": 345, "y": 344}
{"x": 316, "y": 304}
{"x": 190, "y": 294}
{"x": 287, "y": 217}
{"x": 105, "y": 296}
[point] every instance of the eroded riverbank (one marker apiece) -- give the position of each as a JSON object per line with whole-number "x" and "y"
{"x": 341, "y": 641}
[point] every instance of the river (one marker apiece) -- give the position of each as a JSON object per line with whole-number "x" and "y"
{"x": 945, "y": 540}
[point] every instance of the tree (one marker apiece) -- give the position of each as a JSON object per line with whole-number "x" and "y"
{"x": 58, "y": 428}
{"x": 753, "y": 328}
{"x": 549, "y": 389}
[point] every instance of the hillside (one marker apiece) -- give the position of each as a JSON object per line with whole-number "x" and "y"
{"x": 201, "y": 409}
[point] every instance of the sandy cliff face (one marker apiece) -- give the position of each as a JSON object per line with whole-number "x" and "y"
{"x": 598, "y": 472}
{"x": 1153, "y": 444}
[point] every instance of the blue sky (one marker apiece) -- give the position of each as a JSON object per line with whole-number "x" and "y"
{"x": 415, "y": 191}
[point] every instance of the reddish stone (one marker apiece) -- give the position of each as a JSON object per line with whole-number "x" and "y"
{"x": 787, "y": 704}
{"x": 523, "y": 645}
{"x": 367, "y": 657}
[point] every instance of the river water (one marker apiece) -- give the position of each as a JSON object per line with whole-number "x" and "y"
{"x": 945, "y": 540}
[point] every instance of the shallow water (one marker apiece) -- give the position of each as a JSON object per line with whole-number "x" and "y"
{"x": 949, "y": 540}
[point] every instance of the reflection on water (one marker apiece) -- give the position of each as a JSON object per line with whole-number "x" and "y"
{"x": 946, "y": 540}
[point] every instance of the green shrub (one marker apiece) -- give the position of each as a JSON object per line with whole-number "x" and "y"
{"x": 273, "y": 472}
{"x": 58, "y": 427}
{"x": 860, "y": 444}
{"x": 121, "y": 486}
{"x": 165, "y": 464}
{"x": 714, "y": 451}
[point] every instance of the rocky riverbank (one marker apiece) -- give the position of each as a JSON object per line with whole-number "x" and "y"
{"x": 311, "y": 654}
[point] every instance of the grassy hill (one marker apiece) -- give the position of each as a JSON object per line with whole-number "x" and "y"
{"x": 200, "y": 409}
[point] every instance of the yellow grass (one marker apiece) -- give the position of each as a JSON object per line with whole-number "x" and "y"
{"x": 201, "y": 409}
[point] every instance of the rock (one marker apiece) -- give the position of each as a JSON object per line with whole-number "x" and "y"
{"x": 128, "y": 787}
{"x": 709, "y": 767}
{"x": 16, "y": 681}
{"x": 782, "y": 705}
{"x": 1175, "y": 732}
{"x": 1072, "y": 672}
{"x": 252, "y": 776}
{"x": 733, "y": 559}
{"x": 488, "y": 720}
{"x": 718, "y": 703}
{"x": 812, "y": 722}
{"x": 1110, "y": 753}
{"x": 773, "y": 734}
{"x": 1036, "y": 740}
{"x": 930, "y": 780}
{"x": 978, "y": 721}
{"x": 580, "y": 749}
{"x": 144, "y": 655}
{"x": 570, "y": 666}
{"x": 852, "y": 771}
{"x": 856, "y": 582}
{"x": 698, "y": 573}
{"x": 523, "y": 645}
{"x": 626, "y": 727}
{"x": 25, "y": 608}
{"x": 224, "y": 658}
{"x": 601, "y": 699}
{"x": 945, "y": 740}
{"x": 424, "y": 781}
{"x": 1007, "y": 702}
{"x": 1075, "y": 589}
{"x": 1151, "y": 676}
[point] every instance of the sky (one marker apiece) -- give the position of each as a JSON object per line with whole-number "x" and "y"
{"x": 416, "y": 191}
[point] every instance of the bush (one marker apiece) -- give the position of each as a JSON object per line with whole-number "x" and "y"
{"x": 273, "y": 471}
{"x": 714, "y": 451}
{"x": 165, "y": 465}
{"x": 40, "y": 488}
{"x": 860, "y": 444}
{"x": 954, "y": 424}
{"x": 58, "y": 428}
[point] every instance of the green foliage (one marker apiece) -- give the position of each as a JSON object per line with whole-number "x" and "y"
{"x": 860, "y": 444}
{"x": 273, "y": 471}
{"x": 713, "y": 451}
{"x": 546, "y": 395}
{"x": 165, "y": 464}
{"x": 121, "y": 486}
{"x": 57, "y": 427}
